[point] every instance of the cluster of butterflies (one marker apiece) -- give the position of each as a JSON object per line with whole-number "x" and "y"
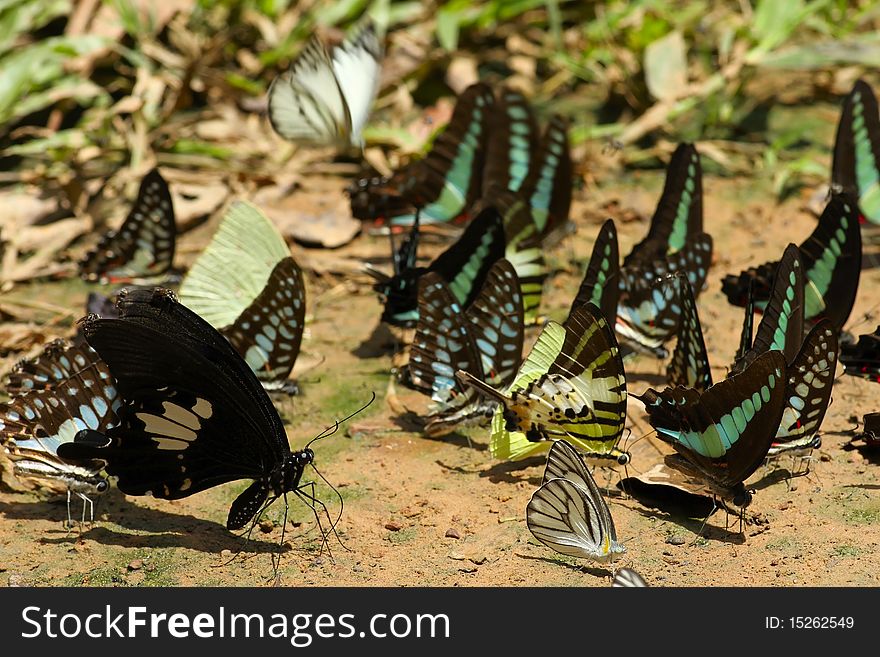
{"x": 569, "y": 394}
{"x": 169, "y": 393}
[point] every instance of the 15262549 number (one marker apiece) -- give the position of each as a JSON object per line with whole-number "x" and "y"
{"x": 821, "y": 622}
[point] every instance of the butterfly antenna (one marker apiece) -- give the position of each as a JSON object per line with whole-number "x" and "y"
{"x": 329, "y": 431}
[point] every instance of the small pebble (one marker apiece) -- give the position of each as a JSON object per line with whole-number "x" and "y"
{"x": 479, "y": 559}
{"x": 357, "y": 568}
{"x": 226, "y": 553}
{"x": 824, "y": 457}
{"x": 453, "y": 533}
{"x": 137, "y": 564}
{"x": 16, "y": 580}
{"x": 676, "y": 539}
{"x": 266, "y": 526}
{"x": 456, "y": 556}
{"x": 393, "y": 526}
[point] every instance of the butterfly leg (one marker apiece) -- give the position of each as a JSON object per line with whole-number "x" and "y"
{"x": 69, "y": 519}
{"x": 705, "y": 520}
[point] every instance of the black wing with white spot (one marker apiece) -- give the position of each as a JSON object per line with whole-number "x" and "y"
{"x": 194, "y": 414}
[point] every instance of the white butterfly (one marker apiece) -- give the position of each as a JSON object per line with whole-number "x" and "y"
{"x": 568, "y": 513}
{"x": 628, "y": 578}
{"x": 324, "y": 101}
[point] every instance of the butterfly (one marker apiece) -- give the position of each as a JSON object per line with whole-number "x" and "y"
{"x": 811, "y": 361}
{"x": 143, "y": 246}
{"x": 832, "y": 260}
{"x": 678, "y": 219}
{"x": 648, "y": 310}
{"x": 442, "y": 185}
{"x": 485, "y": 338}
{"x": 723, "y": 434}
{"x": 648, "y": 313}
{"x": 326, "y": 100}
{"x": 529, "y": 180}
{"x": 193, "y": 415}
{"x": 247, "y": 285}
{"x": 600, "y": 285}
{"x": 65, "y": 389}
{"x": 856, "y": 165}
{"x": 863, "y": 357}
{"x": 571, "y": 385}
{"x": 628, "y": 578}
{"x": 568, "y": 513}
{"x": 464, "y": 266}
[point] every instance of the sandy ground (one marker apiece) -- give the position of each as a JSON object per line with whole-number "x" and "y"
{"x": 407, "y": 497}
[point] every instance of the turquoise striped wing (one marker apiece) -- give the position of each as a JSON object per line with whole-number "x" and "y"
{"x": 782, "y": 324}
{"x": 512, "y": 144}
{"x": 724, "y": 433}
{"x": 678, "y": 218}
{"x": 856, "y": 165}
{"x": 831, "y": 258}
{"x": 601, "y": 283}
{"x": 548, "y": 187}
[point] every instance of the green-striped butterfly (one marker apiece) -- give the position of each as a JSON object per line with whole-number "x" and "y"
{"x": 723, "y": 434}
{"x": 856, "y": 165}
{"x": 832, "y": 260}
{"x": 246, "y": 284}
{"x": 443, "y": 184}
{"x": 463, "y": 266}
{"x": 571, "y": 385}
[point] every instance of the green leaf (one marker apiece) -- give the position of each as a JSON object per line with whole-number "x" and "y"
{"x": 448, "y": 28}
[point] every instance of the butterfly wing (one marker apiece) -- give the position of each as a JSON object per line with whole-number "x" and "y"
{"x": 831, "y": 258}
{"x": 447, "y": 180}
{"x": 143, "y": 246}
{"x": 678, "y": 218}
{"x": 832, "y": 261}
{"x": 628, "y": 578}
{"x": 57, "y": 362}
{"x": 194, "y": 414}
{"x": 548, "y": 187}
{"x": 568, "y": 512}
{"x": 235, "y": 267}
{"x": 726, "y": 431}
{"x": 306, "y": 104}
{"x": 80, "y": 394}
{"x": 808, "y": 389}
{"x": 782, "y": 324}
{"x": 512, "y": 144}
{"x": 269, "y": 331}
{"x": 856, "y": 165}
{"x": 648, "y": 313}
{"x": 357, "y": 64}
{"x": 748, "y": 327}
{"x": 690, "y": 363}
{"x": 601, "y": 285}
{"x": 442, "y": 344}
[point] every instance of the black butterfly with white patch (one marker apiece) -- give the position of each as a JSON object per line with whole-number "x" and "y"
{"x": 194, "y": 414}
